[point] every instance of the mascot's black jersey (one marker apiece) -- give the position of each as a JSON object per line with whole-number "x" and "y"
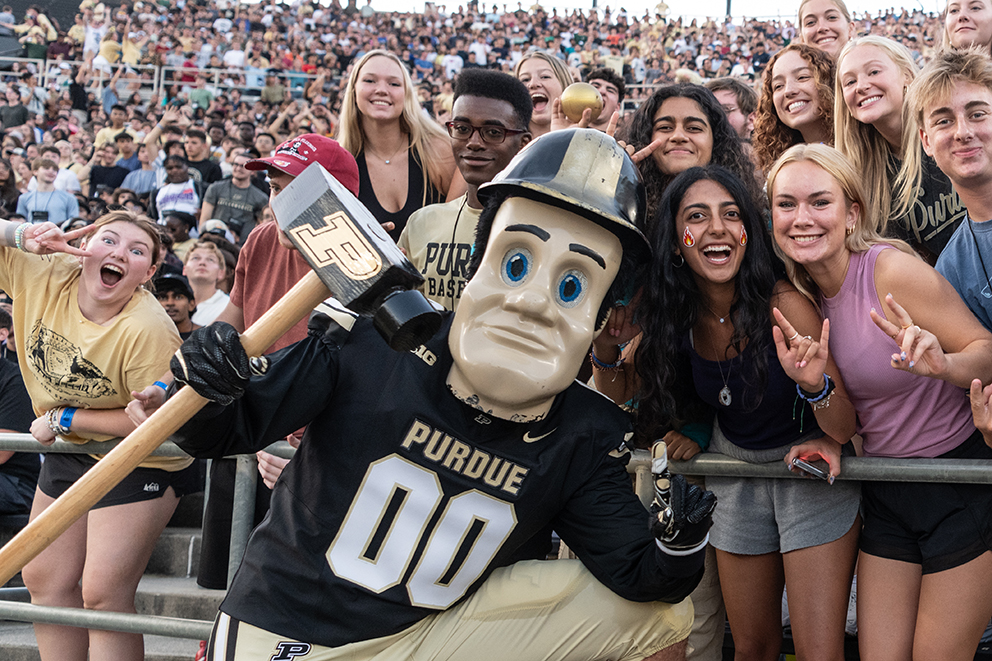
{"x": 402, "y": 499}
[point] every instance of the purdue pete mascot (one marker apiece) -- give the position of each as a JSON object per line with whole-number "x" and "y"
{"x": 410, "y": 523}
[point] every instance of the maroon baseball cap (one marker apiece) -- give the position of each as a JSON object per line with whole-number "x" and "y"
{"x": 294, "y": 155}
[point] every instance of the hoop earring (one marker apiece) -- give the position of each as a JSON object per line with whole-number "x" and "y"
{"x": 850, "y": 231}
{"x": 680, "y": 264}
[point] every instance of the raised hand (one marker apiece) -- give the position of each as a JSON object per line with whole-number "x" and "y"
{"x": 171, "y": 115}
{"x": 560, "y": 121}
{"x": 919, "y": 350}
{"x": 803, "y": 358}
{"x": 639, "y": 155}
{"x": 48, "y": 238}
{"x": 611, "y": 126}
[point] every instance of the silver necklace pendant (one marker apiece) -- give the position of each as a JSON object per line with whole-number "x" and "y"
{"x": 725, "y": 397}
{"x": 387, "y": 162}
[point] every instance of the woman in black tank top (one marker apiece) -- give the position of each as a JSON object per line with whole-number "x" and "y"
{"x": 404, "y": 158}
{"x": 708, "y": 349}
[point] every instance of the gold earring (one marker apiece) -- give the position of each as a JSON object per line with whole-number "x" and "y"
{"x": 850, "y": 231}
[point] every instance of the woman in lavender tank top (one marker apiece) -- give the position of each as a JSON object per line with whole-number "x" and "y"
{"x": 908, "y": 349}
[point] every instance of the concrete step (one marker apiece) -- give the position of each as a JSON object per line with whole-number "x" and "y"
{"x": 177, "y": 597}
{"x": 177, "y": 553}
{"x": 157, "y": 595}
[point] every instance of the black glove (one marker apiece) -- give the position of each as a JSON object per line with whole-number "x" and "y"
{"x": 213, "y": 362}
{"x": 682, "y": 513}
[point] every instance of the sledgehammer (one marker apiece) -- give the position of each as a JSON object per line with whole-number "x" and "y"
{"x": 351, "y": 256}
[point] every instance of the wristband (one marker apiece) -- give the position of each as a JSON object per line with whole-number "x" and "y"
{"x": 819, "y": 400}
{"x": 161, "y": 385}
{"x": 606, "y": 367}
{"x": 65, "y": 420}
{"x": 812, "y": 397}
{"x": 679, "y": 551}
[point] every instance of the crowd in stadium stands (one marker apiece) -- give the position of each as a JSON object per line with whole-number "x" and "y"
{"x": 180, "y": 109}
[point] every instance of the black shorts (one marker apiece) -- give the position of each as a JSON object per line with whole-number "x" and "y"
{"x": 61, "y": 470}
{"x": 936, "y": 525}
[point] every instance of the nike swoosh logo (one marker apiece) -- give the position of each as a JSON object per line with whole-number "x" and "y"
{"x": 534, "y": 439}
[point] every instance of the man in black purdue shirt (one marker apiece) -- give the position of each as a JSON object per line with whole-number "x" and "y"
{"x": 427, "y": 482}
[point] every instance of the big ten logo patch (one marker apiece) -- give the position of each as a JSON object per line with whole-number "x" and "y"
{"x": 288, "y": 650}
{"x": 338, "y": 242}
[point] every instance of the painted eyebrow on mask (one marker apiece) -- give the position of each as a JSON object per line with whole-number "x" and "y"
{"x": 588, "y": 252}
{"x": 543, "y": 235}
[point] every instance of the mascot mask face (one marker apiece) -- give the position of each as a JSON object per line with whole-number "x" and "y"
{"x": 527, "y": 317}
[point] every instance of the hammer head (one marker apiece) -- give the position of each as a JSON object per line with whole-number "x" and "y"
{"x": 357, "y": 261}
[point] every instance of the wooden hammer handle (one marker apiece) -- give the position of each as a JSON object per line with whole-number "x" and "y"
{"x": 119, "y": 462}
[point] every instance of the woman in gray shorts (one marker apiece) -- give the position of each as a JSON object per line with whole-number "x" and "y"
{"x": 709, "y": 348}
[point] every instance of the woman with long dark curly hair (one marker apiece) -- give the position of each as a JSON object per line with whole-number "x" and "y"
{"x": 796, "y": 103}
{"x": 687, "y": 127}
{"x": 726, "y": 335}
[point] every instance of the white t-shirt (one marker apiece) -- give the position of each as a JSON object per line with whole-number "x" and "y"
{"x": 234, "y": 59}
{"x": 208, "y": 311}
{"x": 177, "y": 197}
{"x": 65, "y": 180}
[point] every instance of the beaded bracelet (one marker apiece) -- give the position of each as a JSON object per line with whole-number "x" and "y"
{"x": 606, "y": 367}
{"x": 19, "y": 237}
{"x": 52, "y": 418}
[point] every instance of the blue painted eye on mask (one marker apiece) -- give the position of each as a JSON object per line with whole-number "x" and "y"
{"x": 571, "y": 288}
{"x": 516, "y": 266}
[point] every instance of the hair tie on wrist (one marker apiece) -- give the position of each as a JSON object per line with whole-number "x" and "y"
{"x": 606, "y": 367}
{"x": 818, "y": 400}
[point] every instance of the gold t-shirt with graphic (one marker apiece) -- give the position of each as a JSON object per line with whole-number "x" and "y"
{"x": 68, "y": 360}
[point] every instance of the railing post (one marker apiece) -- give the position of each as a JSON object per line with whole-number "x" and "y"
{"x": 243, "y": 513}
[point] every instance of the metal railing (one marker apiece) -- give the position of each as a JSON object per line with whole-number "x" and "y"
{"x": 971, "y": 471}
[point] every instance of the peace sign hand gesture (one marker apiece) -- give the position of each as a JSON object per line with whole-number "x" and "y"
{"x": 919, "y": 350}
{"x": 803, "y": 359}
{"x": 635, "y": 155}
{"x": 48, "y": 238}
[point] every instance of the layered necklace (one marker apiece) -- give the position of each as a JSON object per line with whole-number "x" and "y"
{"x": 724, "y": 397}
